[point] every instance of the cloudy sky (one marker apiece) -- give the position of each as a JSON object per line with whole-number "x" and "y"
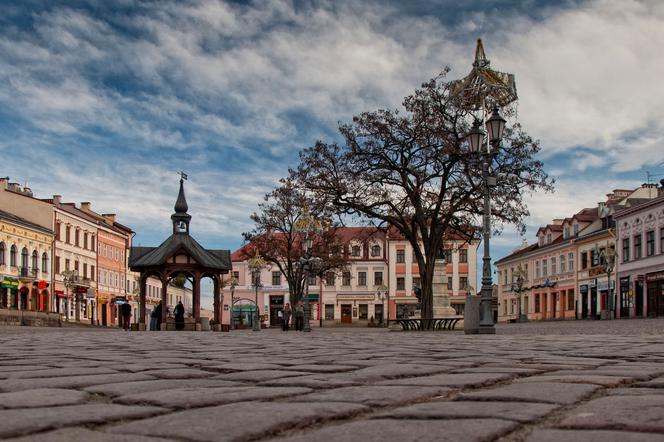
{"x": 105, "y": 101}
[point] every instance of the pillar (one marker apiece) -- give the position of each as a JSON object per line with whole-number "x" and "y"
{"x": 141, "y": 303}
{"x": 217, "y": 304}
{"x": 197, "y": 298}
{"x": 164, "y": 301}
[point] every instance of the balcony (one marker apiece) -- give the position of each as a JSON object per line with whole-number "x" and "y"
{"x": 27, "y": 272}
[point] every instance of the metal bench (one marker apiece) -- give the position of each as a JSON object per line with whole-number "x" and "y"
{"x": 425, "y": 324}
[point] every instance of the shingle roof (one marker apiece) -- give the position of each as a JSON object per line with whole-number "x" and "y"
{"x": 142, "y": 257}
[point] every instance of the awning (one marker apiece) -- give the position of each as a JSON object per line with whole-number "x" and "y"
{"x": 9, "y": 283}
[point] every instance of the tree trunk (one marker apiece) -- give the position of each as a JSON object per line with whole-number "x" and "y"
{"x": 426, "y": 281}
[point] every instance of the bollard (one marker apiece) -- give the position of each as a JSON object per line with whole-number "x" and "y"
{"x": 471, "y": 315}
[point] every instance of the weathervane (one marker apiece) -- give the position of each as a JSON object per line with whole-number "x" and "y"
{"x": 183, "y": 176}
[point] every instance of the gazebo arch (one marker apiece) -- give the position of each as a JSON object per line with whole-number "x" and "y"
{"x": 180, "y": 253}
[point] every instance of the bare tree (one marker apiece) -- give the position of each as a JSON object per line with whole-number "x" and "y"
{"x": 413, "y": 172}
{"x": 277, "y": 235}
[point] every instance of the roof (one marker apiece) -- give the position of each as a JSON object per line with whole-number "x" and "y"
{"x": 141, "y": 257}
{"x": 73, "y": 210}
{"x": 639, "y": 206}
{"x": 23, "y": 222}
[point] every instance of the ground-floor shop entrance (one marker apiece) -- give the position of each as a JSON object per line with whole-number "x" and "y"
{"x": 655, "y": 286}
{"x": 346, "y": 313}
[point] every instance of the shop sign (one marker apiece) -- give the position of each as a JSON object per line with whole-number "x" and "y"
{"x": 592, "y": 283}
{"x": 655, "y": 276}
{"x": 596, "y": 271}
{"x": 603, "y": 285}
{"x": 311, "y": 297}
{"x": 41, "y": 285}
{"x": 342, "y": 297}
{"x": 90, "y": 294}
{"x": 59, "y": 293}
{"x": 9, "y": 283}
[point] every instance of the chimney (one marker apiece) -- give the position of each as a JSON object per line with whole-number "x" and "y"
{"x": 27, "y": 191}
{"x": 16, "y": 187}
{"x": 86, "y": 206}
{"x": 558, "y": 221}
{"x": 109, "y": 217}
{"x": 3, "y": 182}
{"x": 57, "y": 199}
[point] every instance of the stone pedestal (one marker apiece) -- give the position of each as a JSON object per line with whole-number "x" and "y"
{"x": 471, "y": 316}
{"x": 441, "y": 301}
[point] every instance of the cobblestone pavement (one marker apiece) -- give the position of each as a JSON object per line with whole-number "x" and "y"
{"x": 572, "y": 381}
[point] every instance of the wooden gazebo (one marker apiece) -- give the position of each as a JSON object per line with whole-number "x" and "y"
{"x": 180, "y": 254}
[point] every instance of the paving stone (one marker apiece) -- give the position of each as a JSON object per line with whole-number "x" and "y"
{"x": 636, "y": 391}
{"x": 239, "y": 421}
{"x": 56, "y": 372}
{"x": 607, "y": 381}
{"x": 655, "y": 383}
{"x": 591, "y": 436}
{"x": 547, "y": 392}
{"x": 206, "y": 396}
{"x": 510, "y": 370}
{"x": 73, "y": 382}
{"x": 17, "y": 422}
{"x": 323, "y": 368}
{"x": 516, "y": 411}
{"x": 125, "y": 388}
{"x": 380, "y": 430}
{"x": 260, "y": 375}
{"x": 179, "y": 373}
{"x": 41, "y": 397}
{"x": 452, "y": 380}
{"x": 634, "y": 413}
{"x": 311, "y": 381}
{"x": 374, "y": 395}
{"x": 83, "y": 434}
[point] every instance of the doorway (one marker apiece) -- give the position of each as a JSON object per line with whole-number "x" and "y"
{"x": 276, "y": 307}
{"x": 346, "y": 313}
{"x": 593, "y": 302}
{"x": 638, "y": 285}
{"x": 104, "y": 317}
{"x": 584, "y": 302}
{"x": 378, "y": 313}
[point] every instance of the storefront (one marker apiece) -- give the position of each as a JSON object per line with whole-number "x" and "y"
{"x": 9, "y": 293}
{"x": 589, "y": 299}
{"x": 354, "y": 308}
{"x": 655, "y": 288}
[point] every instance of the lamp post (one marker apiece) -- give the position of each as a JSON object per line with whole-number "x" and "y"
{"x": 308, "y": 225}
{"x": 609, "y": 264}
{"x": 495, "y": 126}
{"x": 518, "y": 288}
{"x": 256, "y": 265}
{"x": 381, "y": 293}
{"x": 67, "y": 280}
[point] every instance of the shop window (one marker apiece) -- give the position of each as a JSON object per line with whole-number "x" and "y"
{"x": 362, "y": 278}
{"x": 363, "y": 311}
{"x": 637, "y": 247}
{"x": 463, "y": 255}
{"x": 378, "y": 278}
{"x": 329, "y": 312}
{"x": 570, "y": 299}
{"x": 401, "y": 283}
{"x": 401, "y": 256}
{"x": 650, "y": 243}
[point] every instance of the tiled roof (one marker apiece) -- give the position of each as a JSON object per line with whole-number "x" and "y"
{"x": 23, "y": 222}
{"x": 142, "y": 257}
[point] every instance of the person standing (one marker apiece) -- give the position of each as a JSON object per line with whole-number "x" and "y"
{"x": 179, "y": 316}
{"x": 286, "y": 317}
{"x": 158, "y": 311}
{"x": 299, "y": 317}
{"x": 125, "y": 309}
{"x": 153, "y": 319}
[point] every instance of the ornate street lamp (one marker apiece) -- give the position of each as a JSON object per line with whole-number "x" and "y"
{"x": 308, "y": 225}
{"x": 495, "y": 126}
{"x": 609, "y": 259}
{"x": 382, "y": 294}
{"x": 518, "y": 288}
{"x": 68, "y": 281}
{"x": 256, "y": 265}
{"x": 232, "y": 283}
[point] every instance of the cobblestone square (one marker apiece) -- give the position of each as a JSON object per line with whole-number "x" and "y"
{"x": 559, "y": 381}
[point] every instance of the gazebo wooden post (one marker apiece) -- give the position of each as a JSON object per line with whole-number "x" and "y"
{"x": 141, "y": 303}
{"x": 164, "y": 300}
{"x": 197, "y": 300}
{"x": 217, "y": 304}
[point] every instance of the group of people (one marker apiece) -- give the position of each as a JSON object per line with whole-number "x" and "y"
{"x": 299, "y": 316}
{"x": 156, "y": 315}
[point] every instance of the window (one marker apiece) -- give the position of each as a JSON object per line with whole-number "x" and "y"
{"x": 545, "y": 271}
{"x": 594, "y": 258}
{"x": 2, "y": 253}
{"x": 329, "y": 279}
{"x": 236, "y": 275}
{"x": 375, "y": 251}
{"x": 117, "y": 254}
{"x": 537, "y": 269}
{"x": 553, "y": 266}
{"x": 625, "y": 250}
{"x": 401, "y": 283}
{"x": 105, "y": 278}
{"x": 576, "y": 229}
{"x": 35, "y": 260}
{"x": 77, "y": 235}
{"x": 637, "y": 247}
{"x": 66, "y": 265}
{"x": 548, "y": 238}
{"x": 117, "y": 280}
{"x": 68, "y": 234}
{"x": 363, "y": 311}
{"x": 106, "y": 250}
{"x": 345, "y": 278}
{"x": 448, "y": 255}
{"x": 401, "y": 256}
{"x": 85, "y": 240}
{"x": 537, "y": 303}
{"x": 541, "y": 240}
{"x": 570, "y": 261}
{"x": 76, "y": 266}
{"x": 58, "y": 226}
{"x": 650, "y": 243}
{"x": 566, "y": 232}
{"x": 584, "y": 260}
{"x": 329, "y": 312}
{"x": 362, "y": 278}
{"x": 92, "y": 243}
{"x": 92, "y": 273}
{"x": 100, "y": 249}
{"x": 449, "y": 283}
{"x": 463, "y": 283}
{"x": 355, "y": 251}
{"x": 570, "y": 300}
{"x": 562, "y": 264}
{"x": 85, "y": 270}
{"x": 100, "y": 277}
{"x": 24, "y": 257}
{"x": 378, "y": 278}
{"x": 463, "y": 255}
{"x": 276, "y": 278}
{"x": 57, "y": 264}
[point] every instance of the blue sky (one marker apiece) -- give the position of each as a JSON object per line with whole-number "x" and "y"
{"x": 105, "y": 101}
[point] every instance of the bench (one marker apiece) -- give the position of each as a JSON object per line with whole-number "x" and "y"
{"x": 425, "y": 324}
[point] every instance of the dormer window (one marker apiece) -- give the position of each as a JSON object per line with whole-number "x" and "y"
{"x": 541, "y": 240}
{"x": 548, "y": 238}
{"x": 355, "y": 251}
{"x": 375, "y": 251}
{"x": 576, "y": 229}
{"x": 566, "y": 232}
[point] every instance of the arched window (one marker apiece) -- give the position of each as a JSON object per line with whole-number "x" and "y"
{"x": 375, "y": 250}
{"x": 24, "y": 257}
{"x": 2, "y": 253}
{"x": 44, "y": 262}
{"x": 355, "y": 251}
{"x": 13, "y": 256}
{"x": 35, "y": 260}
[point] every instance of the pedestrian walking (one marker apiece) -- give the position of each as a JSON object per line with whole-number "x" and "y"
{"x": 125, "y": 309}
{"x": 179, "y": 316}
{"x": 153, "y": 319}
{"x": 286, "y": 317}
{"x": 158, "y": 316}
{"x": 299, "y": 317}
